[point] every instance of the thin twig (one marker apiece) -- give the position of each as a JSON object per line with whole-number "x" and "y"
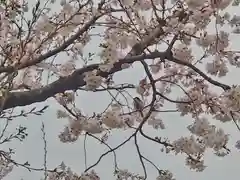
{"x": 140, "y": 157}
{"x": 45, "y": 150}
{"x": 85, "y": 150}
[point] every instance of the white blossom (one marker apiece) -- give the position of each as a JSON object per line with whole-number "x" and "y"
{"x": 43, "y": 53}
{"x": 189, "y": 28}
{"x": 93, "y": 126}
{"x": 165, "y": 175}
{"x": 156, "y": 123}
{"x": 194, "y": 4}
{"x": 182, "y": 52}
{"x": 92, "y": 80}
{"x": 112, "y": 119}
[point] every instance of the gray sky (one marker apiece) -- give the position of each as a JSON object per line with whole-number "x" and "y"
{"x": 72, "y": 154}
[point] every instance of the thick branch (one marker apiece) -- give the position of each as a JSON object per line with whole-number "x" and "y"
{"x": 75, "y": 80}
{"x": 71, "y": 82}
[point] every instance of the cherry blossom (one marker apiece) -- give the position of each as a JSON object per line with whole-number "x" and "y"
{"x": 58, "y": 53}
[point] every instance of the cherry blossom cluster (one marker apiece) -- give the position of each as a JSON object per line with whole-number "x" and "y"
{"x": 5, "y": 167}
{"x": 31, "y": 48}
{"x": 63, "y": 172}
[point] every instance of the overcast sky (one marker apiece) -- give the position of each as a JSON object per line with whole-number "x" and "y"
{"x": 31, "y": 149}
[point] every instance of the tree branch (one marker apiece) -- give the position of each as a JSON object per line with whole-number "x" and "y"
{"x": 74, "y": 81}
{"x": 170, "y": 57}
{"x": 55, "y": 51}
